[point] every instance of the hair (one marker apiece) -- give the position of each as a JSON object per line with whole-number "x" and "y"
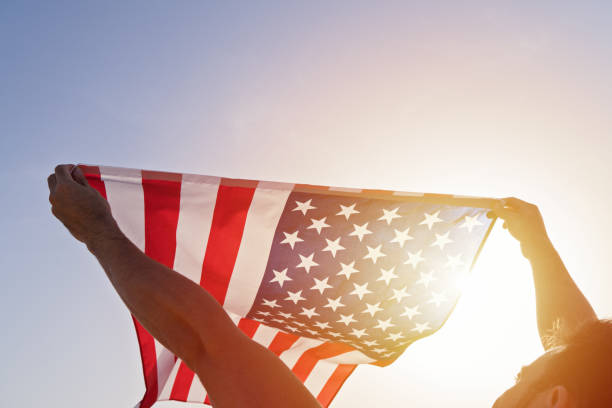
{"x": 583, "y": 365}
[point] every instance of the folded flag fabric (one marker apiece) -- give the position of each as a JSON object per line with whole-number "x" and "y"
{"x": 324, "y": 277}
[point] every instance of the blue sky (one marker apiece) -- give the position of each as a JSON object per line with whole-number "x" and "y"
{"x": 473, "y": 98}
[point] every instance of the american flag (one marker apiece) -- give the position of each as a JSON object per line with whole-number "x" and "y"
{"x": 324, "y": 277}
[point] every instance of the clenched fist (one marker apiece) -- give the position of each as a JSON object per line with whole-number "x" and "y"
{"x": 79, "y": 206}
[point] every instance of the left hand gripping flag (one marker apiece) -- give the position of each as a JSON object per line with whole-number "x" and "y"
{"x": 324, "y": 277}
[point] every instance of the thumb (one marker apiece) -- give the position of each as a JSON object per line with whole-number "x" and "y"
{"x": 78, "y": 176}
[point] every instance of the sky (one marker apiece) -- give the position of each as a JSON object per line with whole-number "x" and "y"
{"x": 482, "y": 98}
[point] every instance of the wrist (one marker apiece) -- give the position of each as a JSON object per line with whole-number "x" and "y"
{"x": 541, "y": 252}
{"x": 108, "y": 234}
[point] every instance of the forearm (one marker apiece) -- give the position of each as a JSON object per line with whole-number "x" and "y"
{"x": 558, "y": 298}
{"x": 177, "y": 312}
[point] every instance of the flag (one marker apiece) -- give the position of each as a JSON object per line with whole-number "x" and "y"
{"x": 324, "y": 277}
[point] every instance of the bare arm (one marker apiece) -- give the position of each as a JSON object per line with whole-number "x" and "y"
{"x": 558, "y": 299}
{"x": 180, "y": 314}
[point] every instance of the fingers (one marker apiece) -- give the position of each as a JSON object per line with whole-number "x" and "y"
{"x": 78, "y": 175}
{"x": 505, "y": 213}
{"x": 516, "y": 203}
{"x": 62, "y": 173}
{"x": 51, "y": 181}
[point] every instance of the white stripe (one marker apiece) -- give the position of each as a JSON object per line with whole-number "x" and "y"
{"x": 265, "y": 211}
{"x": 126, "y": 198}
{"x": 197, "y": 393}
{"x": 235, "y": 318}
{"x": 292, "y": 355}
{"x": 195, "y": 217}
{"x": 319, "y": 375}
{"x": 265, "y": 334}
{"x": 351, "y": 357}
{"x": 164, "y": 395}
{"x": 346, "y": 189}
{"x": 407, "y": 194}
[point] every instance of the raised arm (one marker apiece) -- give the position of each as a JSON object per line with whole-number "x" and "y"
{"x": 185, "y": 318}
{"x": 558, "y": 299}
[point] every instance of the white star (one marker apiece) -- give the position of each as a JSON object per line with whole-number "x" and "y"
{"x": 299, "y": 324}
{"x": 280, "y": 277}
{"x": 379, "y": 350}
{"x": 295, "y": 297}
{"x": 414, "y": 259}
{"x": 334, "y": 303}
{"x": 470, "y": 222}
{"x": 431, "y": 219}
{"x": 307, "y": 262}
{"x": 411, "y": 311}
{"x": 278, "y": 320}
{"x": 313, "y": 332}
{"x": 321, "y": 285}
{"x": 387, "y": 275}
{"x": 293, "y": 329}
{"x": 384, "y": 324}
{"x": 291, "y": 239}
{"x": 442, "y": 240}
{"x": 360, "y": 290}
{"x": 360, "y": 231}
{"x": 374, "y": 253}
{"x": 421, "y": 327}
{"x": 401, "y": 237}
{"x": 270, "y": 303}
{"x": 259, "y": 320}
{"x": 399, "y": 294}
{"x": 454, "y": 262}
{"x": 389, "y": 215}
{"x": 426, "y": 278}
{"x": 285, "y": 315}
{"x": 318, "y": 224}
{"x": 372, "y": 309}
{"x": 309, "y": 312}
{"x": 333, "y": 246}
{"x": 334, "y": 334}
{"x": 348, "y": 211}
{"x": 303, "y": 207}
{"x": 437, "y": 298}
{"x": 358, "y": 333}
{"x": 389, "y": 354}
{"x": 370, "y": 343}
{"x": 322, "y": 325}
{"x": 264, "y": 313}
{"x": 348, "y": 319}
{"x": 395, "y": 337}
{"x": 348, "y": 270}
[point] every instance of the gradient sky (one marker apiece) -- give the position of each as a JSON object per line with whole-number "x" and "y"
{"x": 458, "y": 97}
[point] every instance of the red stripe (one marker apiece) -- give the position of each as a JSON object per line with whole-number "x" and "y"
{"x": 333, "y": 384}
{"x": 149, "y": 364}
{"x": 161, "y": 208}
{"x": 309, "y": 358}
{"x": 92, "y": 173}
{"x": 182, "y": 383}
{"x": 207, "y": 400}
{"x": 226, "y": 231}
{"x": 281, "y": 342}
{"x": 248, "y": 327}
{"x": 162, "y": 201}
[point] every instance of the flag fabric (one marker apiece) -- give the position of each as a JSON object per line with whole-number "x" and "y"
{"x": 324, "y": 277}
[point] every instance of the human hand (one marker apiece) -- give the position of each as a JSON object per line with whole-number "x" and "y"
{"x": 525, "y": 223}
{"x": 82, "y": 210}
